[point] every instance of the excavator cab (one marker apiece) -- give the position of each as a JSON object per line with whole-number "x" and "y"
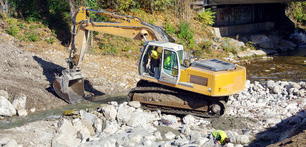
{"x": 169, "y": 64}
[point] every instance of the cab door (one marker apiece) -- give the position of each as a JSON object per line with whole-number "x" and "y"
{"x": 170, "y": 67}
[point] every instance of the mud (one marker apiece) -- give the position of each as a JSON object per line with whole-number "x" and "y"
{"x": 230, "y": 122}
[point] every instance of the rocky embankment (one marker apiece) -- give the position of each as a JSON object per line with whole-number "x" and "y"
{"x": 255, "y": 117}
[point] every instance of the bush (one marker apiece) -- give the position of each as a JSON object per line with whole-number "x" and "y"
{"x": 33, "y": 37}
{"x": 13, "y": 30}
{"x": 50, "y": 40}
{"x": 169, "y": 28}
{"x": 21, "y": 25}
{"x": 299, "y": 11}
{"x": 207, "y": 17}
{"x": 250, "y": 45}
{"x": 205, "y": 45}
{"x": 186, "y": 33}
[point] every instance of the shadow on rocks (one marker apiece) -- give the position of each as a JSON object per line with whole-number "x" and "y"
{"x": 50, "y": 70}
{"x": 287, "y": 128}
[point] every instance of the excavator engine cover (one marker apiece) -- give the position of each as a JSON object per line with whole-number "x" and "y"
{"x": 70, "y": 88}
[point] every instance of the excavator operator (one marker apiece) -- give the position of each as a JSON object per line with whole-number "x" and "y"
{"x": 154, "y": 62}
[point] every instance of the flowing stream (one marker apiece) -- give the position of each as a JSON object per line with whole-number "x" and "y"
{"x": 56, "y": 113}
{"x": 291, "y": 66}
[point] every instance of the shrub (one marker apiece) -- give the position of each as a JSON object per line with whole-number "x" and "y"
{"x": 33, "y": 37}
{"x": 21, "y": 25}
{"x": 50, "y": 40}
{"x": 186, "y": 33}
{"x": 299, "y": 11}
{"x": 169, "y": 28}
{"x": 250, "y": 45}
{"x": 207, "y": 17}
{"x": 13, "y": 30}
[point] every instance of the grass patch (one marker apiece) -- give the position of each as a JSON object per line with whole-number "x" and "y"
{"x": 50, "y": 40}
{"x": 13, "y": 30}
{"x": 33, "y": 37}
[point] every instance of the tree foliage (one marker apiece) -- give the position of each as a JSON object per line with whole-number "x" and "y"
{"x": 207, "y": 17}
{"x": 298, "y": 10}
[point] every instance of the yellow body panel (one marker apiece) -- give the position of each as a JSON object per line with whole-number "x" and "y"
{"x": 221, "y": 83}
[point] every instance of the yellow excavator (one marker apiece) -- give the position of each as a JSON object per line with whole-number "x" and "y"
{"x": 177, "y": 85}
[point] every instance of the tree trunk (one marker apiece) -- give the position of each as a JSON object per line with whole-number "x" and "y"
{"x": 6, "y": 7}
{"x": 72, "y": 7}
{"x": 2, "y": 6}
{"x": 182, "y": 9}
{"x": 152, "y": 6}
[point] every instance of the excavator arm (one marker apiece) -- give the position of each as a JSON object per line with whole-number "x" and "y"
{"x": 70, "y": 86}
{"x": 129, "y": 27}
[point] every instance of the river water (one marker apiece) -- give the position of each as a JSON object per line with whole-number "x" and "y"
{"x": 288, "y": 66}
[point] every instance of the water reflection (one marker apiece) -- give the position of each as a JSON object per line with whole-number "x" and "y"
{"x": 288, "y": 66}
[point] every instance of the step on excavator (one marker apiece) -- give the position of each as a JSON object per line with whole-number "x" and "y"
{"x": 174, "y": 84}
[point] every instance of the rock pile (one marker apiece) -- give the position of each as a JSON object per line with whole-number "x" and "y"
{"x": 251, "y": 113}
{"x": 17, "y": 107}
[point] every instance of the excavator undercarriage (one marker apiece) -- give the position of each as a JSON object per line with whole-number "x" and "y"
{"x": 154, "y": 96}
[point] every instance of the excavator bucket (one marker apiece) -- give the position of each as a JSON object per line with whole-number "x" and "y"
{"x": 70, "y": 89}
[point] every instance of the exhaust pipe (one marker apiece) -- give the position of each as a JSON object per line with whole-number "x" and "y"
{"x": 70, "y": 86}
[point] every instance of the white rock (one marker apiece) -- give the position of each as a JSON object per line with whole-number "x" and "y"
{"x": 140, "y": 118}
{"x": 88, "y": 116}
{"x": 158, "y": 135}
{"x": 114, "y": 103}
{"x": 150, "y": 137}
{"x": 189, "y": 120}
{"x": 238, "y": 145}
{"x": 8, "y": 142}
{"x": 109, "y": 111}
{"x": 135, "y": 104}
{"x": 4, "y": 94}
{"x": 67, "y": 135}
{"x": 98, "y": 124}
{"x": 180, "y": 142}
{"x": 169, "y": 135}
{"x": 124, "y": 113}
{"x": 147, "y": 143}
{"x": 6, "y": 108}
{"x": 32, "y": 110}
{"x": 277, "y": 89}
{"x": 229, "y": 145}
{"x": 20, "y": 104}
{"x": 242, "y": 139}
{"x": 301, "y": 93}
{"x": 135, "y": 138}
{"x": 111, "y": 127}
{"x": 270, "y": 84}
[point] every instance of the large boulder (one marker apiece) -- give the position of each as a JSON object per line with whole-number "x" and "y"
{"x": 4, "y": 93}
{"x": 262, "y": 41}
{"x": 6, "y": 108}
{"x": 140, "y": 118}
{"x": 20, "y": 104}
{"x": 109, "y": 111}
{"x": 66, "y": 136}
{"x": 124, "y": 113}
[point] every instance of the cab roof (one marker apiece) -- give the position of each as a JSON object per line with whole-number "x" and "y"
{"x": 166, "y": 44}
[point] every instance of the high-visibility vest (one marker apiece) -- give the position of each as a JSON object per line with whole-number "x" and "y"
{"x": 221, "y": 134}
{"x": 167, "y": 62}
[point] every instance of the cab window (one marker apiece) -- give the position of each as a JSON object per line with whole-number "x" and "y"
{"x": 170, "y": 63}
